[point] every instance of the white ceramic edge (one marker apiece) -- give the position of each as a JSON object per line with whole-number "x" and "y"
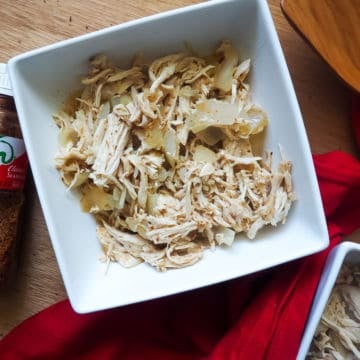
{"x": 263, "y": 6}
{"x": 329, "y": 275}
{"x": 317, "y": 201}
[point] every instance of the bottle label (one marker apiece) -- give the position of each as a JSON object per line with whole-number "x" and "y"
{"x": 13, "y": 163}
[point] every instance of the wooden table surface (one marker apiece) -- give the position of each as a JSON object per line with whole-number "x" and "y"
{"x": 27, "y": 24}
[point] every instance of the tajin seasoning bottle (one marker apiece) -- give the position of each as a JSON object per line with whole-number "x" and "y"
{"x": 13, "y": 168}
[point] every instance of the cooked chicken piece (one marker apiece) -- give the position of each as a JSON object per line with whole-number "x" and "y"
{"x": 162, "y": 156}
{"x": 114, "y": 250}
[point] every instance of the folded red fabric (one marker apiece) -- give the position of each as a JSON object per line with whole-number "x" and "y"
{"x": 261, "y": 316}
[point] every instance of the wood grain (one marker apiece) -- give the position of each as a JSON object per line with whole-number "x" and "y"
{"x": 332, "y": 27}
{"x": 324, "y": 102}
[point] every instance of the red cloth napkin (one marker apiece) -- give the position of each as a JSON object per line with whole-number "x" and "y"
{"x": 261, "y": 316}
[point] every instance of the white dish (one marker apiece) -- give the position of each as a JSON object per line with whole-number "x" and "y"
{"x": 345, "y": 252}
{"x": 42, "y": 78}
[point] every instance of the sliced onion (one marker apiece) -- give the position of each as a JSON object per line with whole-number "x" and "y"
{"x": 204, "y": 154}
{"x": 68, "y": 135}
{"x": 153, "y": 137}
{"x": 224, "y": 235}
{"x": 212, "y": 113}
{"x": 242, "y": 70}
{"x": 211, "y": 135}
{"x": 171, "y": 145}
{"x": 96, "y": 199}
{"x": 224, "y": 71}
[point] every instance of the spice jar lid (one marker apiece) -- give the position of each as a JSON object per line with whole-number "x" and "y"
{"x": 5, "y": 85}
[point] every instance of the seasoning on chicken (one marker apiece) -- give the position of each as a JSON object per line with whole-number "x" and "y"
{"x": 162, "y": 156}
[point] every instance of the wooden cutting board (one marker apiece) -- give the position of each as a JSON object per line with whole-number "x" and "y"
{"x": 333, "y": 28}
{"x": 26, "y": 25}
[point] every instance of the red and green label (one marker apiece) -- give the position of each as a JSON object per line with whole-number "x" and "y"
{"x": 13, "y": 163}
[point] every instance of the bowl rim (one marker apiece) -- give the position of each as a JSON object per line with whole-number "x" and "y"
{"x": 263, "y": 8}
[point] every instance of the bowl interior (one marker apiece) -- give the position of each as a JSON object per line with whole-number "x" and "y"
{"x": 43, "y": 78}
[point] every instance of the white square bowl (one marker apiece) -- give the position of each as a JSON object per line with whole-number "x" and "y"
{"x": 42, "y": 78}
{"x": 347, "y": 252}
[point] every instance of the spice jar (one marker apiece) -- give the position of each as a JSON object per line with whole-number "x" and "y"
{"x": 13, "y": 167}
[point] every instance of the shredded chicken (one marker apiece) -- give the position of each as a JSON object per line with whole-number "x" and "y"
{"x": 161, "y": 154}
{"x": 338, "y": 333}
